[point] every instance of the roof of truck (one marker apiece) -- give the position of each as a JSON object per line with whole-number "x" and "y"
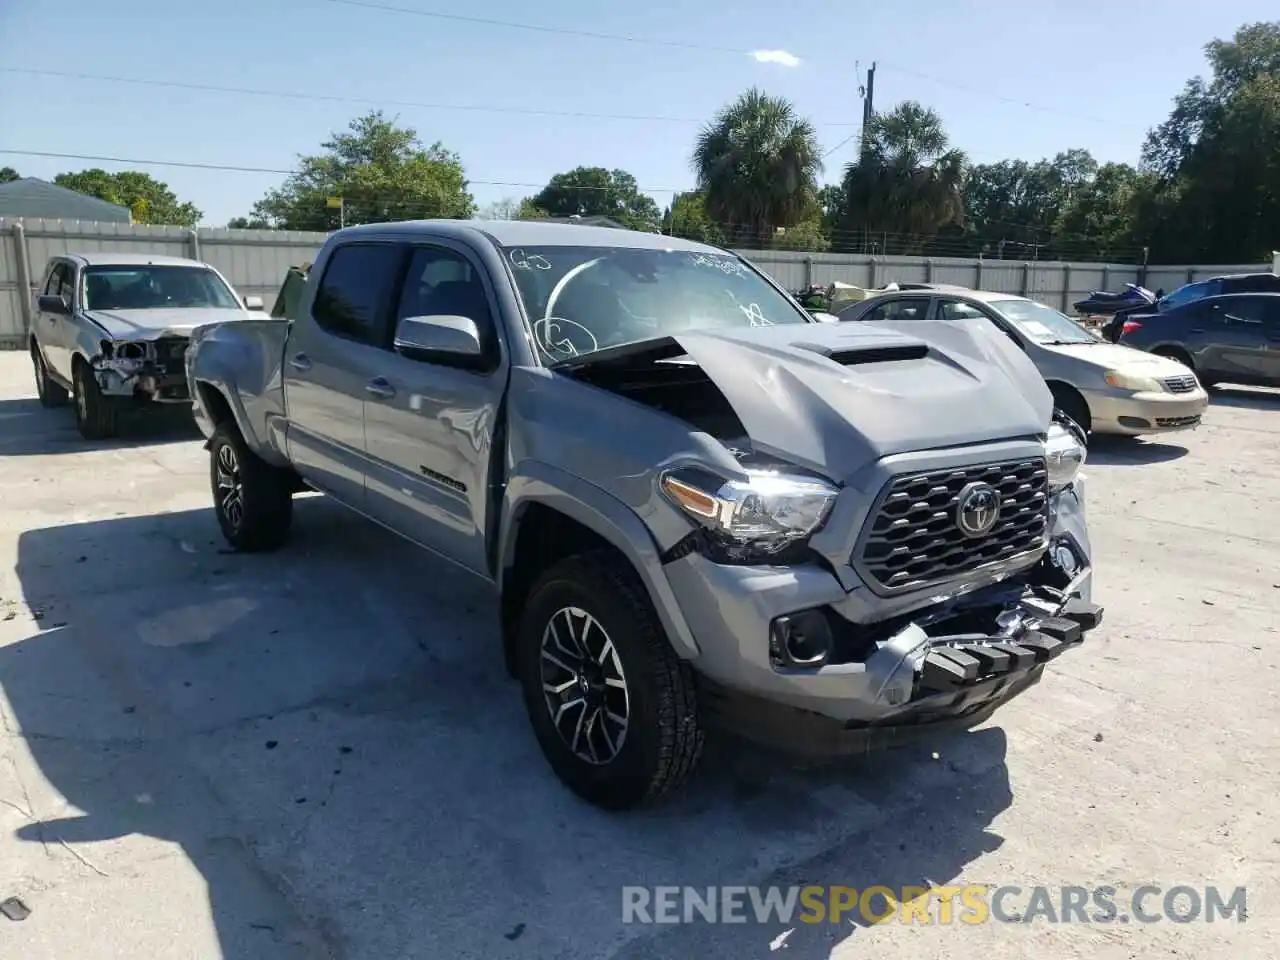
{"x": 538, "y": 233}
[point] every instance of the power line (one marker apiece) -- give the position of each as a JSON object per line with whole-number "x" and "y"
{"x": 712, "y": 48}
{"x": 541, "y": 28}
{"x": 335, "y": 98}
{"x": 232, "y": 168}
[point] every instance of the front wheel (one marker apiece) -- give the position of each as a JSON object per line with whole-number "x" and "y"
{"x": 614, "y": 709}
{"x": 97, "y": 415}
{"x": 252, "y": 500}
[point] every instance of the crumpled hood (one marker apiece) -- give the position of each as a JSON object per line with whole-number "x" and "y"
{"x": 836, "y": 397}
{"x": 153, "y": 324}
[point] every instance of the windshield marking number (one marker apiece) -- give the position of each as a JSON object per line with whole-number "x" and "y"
{"x": 726, "y": 265}
{"x": 755, "y": 315}
{"x": 522, "y": 261}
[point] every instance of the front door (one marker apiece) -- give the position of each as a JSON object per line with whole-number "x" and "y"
{"x": 333, "y": 351}
{"x": 429, "y": 431}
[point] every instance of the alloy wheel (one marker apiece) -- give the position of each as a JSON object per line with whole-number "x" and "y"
{"x": 584, "y": 686}
{"x": 229, "y": 488}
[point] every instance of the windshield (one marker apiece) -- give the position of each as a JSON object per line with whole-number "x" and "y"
{"x": 148, "y": 287}
{"x": 1042, "y": 324}
{"x": 584, "y": 299}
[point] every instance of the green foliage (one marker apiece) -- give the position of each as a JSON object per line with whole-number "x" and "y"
{"x": 150, "y": 200}
{"x": 757, "y": 164}
{"x": 687, "y": 218}
{"x": 8, "y": 173}
{"x": 906, "y": 184}
{"x": 597, "y": 192}
{"x": 380, "y": 171}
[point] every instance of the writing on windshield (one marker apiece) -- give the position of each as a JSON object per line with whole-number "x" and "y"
{"x": 584, "y": 299}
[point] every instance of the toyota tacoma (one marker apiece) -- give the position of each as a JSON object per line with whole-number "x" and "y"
{"x": 696, "y": 505}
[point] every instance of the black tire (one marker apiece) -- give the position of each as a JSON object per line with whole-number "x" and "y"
{"x": 663, "y": 736}
{"x": 51, "y": 394}
{"x": 252, "y": 499}
{"x": 1068, "y": 400}
{"x": 97, "y": 415}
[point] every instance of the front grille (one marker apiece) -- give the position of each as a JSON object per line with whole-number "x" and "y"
{"x": 1181, "y": 384}
{"x": 912, "y": 539}
{"x": 1178, "y": 421}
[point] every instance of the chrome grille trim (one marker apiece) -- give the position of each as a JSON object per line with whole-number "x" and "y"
{"x": 911, "y": 542}
{"x": 1180, "y": 384}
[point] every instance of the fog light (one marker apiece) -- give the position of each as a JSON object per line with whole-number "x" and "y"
{"x": 1065, "y": 558}
{"x": 800, "y": 639}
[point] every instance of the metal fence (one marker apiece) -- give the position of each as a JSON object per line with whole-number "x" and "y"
{"x": 255, "y": 262}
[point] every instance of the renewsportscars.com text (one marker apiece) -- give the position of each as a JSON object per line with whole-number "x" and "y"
{"x": 971, "y": 904}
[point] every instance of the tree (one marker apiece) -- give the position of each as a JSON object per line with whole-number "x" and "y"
{"x": 8, "y": 173}
{"x": 148, "y": 199}
{"x": 597, "y": 192}
{"x": 1216, "y": 194}
{"x": 757, "y": 164}
{"x": 907, "y": 182}
{"x": 380, "y": 171}
{"x": 687, "y": 218}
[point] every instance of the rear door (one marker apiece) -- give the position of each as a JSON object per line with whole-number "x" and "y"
{"x": 333, "y": 352}
{"x": 1271, "y": 331}
{"x": 430, "y": 428}
{"x": 56, "y": 332}
{"x": 1236, "y": 338}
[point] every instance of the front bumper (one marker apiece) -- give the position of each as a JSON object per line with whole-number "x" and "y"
{"x": 155, "y": 375}
{"x": 1132, "y": 414}
{"x": 888, "y": 673}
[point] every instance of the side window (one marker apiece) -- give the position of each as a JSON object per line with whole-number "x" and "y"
{"x": 957, "y": 310}
{"x": 442, "y": 282}
{"x": 1243, "y": 309}
{"x": 59, "y": 284}
{"x": 905, "y": 308}
{"x": 355, "y": 294}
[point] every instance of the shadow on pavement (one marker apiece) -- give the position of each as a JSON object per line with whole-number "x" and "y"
{"x": 1247, "y": 398}
{"x": 329, "y": 735}
{"x": 1118, "y": 451}
{"x": 27, "y": 429}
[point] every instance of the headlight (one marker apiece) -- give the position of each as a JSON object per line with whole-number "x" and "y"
{"x": 1065, "y": 455}
{"x": 754, "y": 518}
{"x": 1128, "y": 381}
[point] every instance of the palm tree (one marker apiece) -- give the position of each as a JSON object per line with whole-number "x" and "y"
{"x": 907, "y": 181}
{"x": 757, "y": 163}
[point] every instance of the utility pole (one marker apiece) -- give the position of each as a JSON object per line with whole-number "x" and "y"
{"x": 868, "y": 103}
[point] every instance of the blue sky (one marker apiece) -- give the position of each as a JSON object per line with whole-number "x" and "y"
{"x": 1023, "y": 79}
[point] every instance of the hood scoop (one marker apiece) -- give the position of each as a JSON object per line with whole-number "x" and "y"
{"x": 869, "y": 354}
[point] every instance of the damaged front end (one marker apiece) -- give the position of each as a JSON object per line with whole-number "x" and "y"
{"x": 148, "y": 371}
{"x": 902, "y": 546}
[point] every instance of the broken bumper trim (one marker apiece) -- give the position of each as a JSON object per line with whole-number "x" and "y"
{"x": 960, "y": 682}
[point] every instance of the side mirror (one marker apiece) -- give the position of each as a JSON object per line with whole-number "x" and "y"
{"x": 439, "y": 337}
{"x": 52, "y": 303}
{"x": 252, "y": 302}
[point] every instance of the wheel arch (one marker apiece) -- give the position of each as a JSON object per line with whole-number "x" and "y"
{"x": 549, "y": 515}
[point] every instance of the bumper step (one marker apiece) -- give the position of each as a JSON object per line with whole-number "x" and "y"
{"x": 948, "y": 668}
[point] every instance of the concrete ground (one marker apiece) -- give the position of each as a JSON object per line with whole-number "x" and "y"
{"x": 318, "y": 754}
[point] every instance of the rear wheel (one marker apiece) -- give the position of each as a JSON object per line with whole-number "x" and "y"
{"x": 97, "y": 415}
{"x": 51, "y": 394}
{"x": 614, "y": 709}
{"x": 252, "y": 500}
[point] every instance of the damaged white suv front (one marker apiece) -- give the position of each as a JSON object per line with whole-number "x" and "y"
{"x": 110, "y": 331}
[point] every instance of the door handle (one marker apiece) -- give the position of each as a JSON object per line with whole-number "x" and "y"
{"x": 380, "y": 388}
{"x": 300, "y": 361}
{"x": 1196, "y": 330}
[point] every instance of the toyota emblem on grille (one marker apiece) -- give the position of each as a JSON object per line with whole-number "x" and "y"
{"x": 977, "y": 509}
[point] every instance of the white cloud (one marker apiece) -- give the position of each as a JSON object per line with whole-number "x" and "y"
{"x": 776, "y": 56}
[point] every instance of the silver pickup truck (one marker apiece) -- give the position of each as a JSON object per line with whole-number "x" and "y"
{"x": 697, "y": 506}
